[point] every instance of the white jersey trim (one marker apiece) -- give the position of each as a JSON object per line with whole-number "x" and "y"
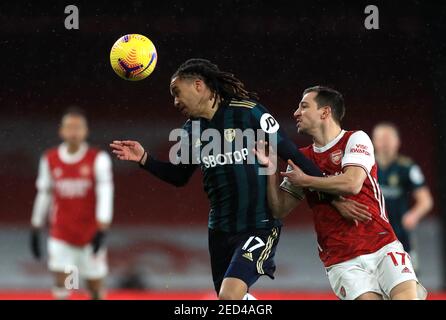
{"x": 378, "y": 197}
{"x": 70, "y": 158}
{"x": 329, "y": 145}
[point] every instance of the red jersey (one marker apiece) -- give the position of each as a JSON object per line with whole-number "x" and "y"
{"x": 338, "y": 239}
{"x": 73, "y": 218}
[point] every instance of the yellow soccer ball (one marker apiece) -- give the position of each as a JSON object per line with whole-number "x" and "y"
{"x": 133, "y": 57}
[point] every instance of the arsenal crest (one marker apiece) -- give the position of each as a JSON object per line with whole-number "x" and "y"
{"x": 336, "y": 157}
{"x": 229, "y": 135}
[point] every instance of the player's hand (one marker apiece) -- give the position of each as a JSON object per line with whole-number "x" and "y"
{"x": 35, "y": 244}
{"x": 98, "y": 241}
{"x": 128, "y": 150}
{"x": 410, "y": 220}
{"x": 352, "y": 210}
{"x": 296, "y": 177}
{"x": 266, "y": 158}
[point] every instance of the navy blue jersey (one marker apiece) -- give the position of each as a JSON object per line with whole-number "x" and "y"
{"x": 397, "y": 182}
{"x": 231, "y": 173}
{"x": 236, "y": 190}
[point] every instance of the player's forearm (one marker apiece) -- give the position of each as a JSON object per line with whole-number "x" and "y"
{"x": 40, "y": 209}
{"x": 423, "y": 202}
{"x": 421, "y": 208}
{"x": 287, "y": 150}
{"x": 177, "y": 175}
{"x": 342, "y": 184}
{"x": 276, "y": 199}
{"x": 104, "y": 203}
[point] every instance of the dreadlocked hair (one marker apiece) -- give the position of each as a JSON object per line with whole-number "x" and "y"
{"x": 222, "y": 84}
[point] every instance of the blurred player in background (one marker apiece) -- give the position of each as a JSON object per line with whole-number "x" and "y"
{"x": 75, "y": 186}
{"x": 401, "y": 180}
{"x": 243, "y": 235}
{"x": 363, "y": 260}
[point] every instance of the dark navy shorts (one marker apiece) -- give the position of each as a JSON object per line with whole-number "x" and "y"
{"x": 245, "y": 256}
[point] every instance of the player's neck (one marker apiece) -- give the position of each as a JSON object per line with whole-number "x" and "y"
{"x": 73, "y": 148}
{"x": 211, "y": 108}
{"x": 326, "y": 134}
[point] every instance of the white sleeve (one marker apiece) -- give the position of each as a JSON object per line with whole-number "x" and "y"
{"x": 42, "y": 201}
{"x": 295, "y": 191}
{"x": 359, "y": 151}
{"x": 104, "y": 188}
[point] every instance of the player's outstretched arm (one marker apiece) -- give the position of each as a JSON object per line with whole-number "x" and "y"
{"x": 282, "y": 200}
{"x": 287, "y": 150}
{"x": 347, "y": 183}
{"x": 177, "y": 175}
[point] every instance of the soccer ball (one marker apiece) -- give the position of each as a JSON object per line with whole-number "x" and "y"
{"x": 133, "y": 57}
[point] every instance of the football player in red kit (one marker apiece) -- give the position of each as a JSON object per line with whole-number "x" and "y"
{"x": 75, "y": 186}
{"x": 363, "y": 260}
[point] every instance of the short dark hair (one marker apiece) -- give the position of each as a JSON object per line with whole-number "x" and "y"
{"x": 75, "y": 111}
{"x": 329, "y": 97}
{"x": 223, "y": 84}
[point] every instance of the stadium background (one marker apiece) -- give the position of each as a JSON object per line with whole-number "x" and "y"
{"x": 158, "y": 242}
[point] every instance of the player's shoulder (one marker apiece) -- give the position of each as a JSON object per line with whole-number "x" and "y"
{"x": 360, "y": 133}
{"x": 242, "y": 103}
{"x": 50, "y": 152}
{"x": 404, "y": 161}
{"x": 95, "y": 152}
{"x": 94, "y": 149}
{"x": 306, "y": 150}
{"x": 98, "y": 157}
{"x": 188, "y": 124}
{"x": 356, "y": 136}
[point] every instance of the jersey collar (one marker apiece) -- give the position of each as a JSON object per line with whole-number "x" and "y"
{"x": 72, "y": 157}
{"x": 223, "y": 104}
{"x": 330, "y": 144}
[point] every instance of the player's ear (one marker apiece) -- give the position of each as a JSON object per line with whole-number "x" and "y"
{"x": 198, "y": 84}
{"x": 326, "y": 111}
